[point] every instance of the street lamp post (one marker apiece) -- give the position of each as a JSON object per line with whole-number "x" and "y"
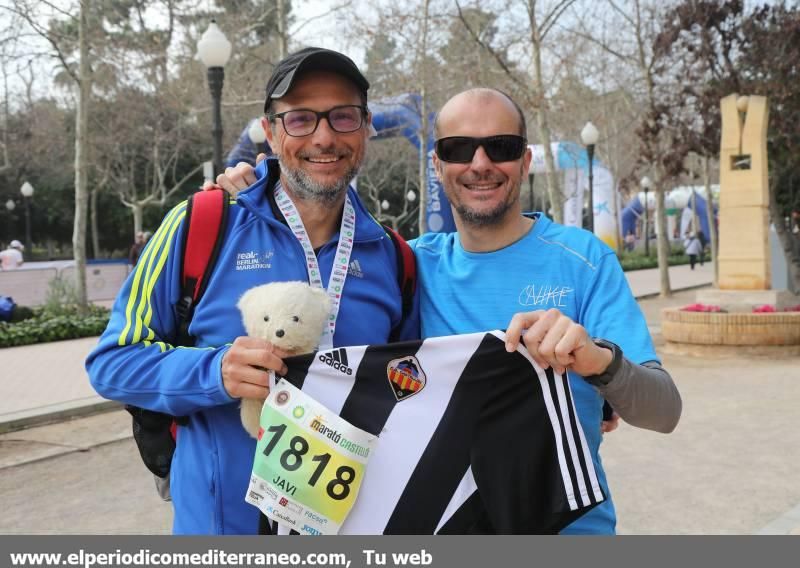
{"x": 530, "y": 191}
{"x": 10, "y": 206}
{"x": 646, "y": 185}
{"x": 214, "y": 50}
{"x": 27, "y": 192}
{"x": 589, "y": 137}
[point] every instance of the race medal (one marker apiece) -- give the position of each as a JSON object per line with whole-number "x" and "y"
{"x": 344, "y": 249}
{"x": 309, "y": 463}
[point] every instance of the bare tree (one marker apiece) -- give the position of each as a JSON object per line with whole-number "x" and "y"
{"x": 710, "y": 217}
{"x": 402, "y": 44}
{"x": 654, "y": 145}
{"x": 283, "y": 35}
{"x": 5, "y": 164}
{"x": 31, "y": 13}
{"x": 540, "y": 22}
{"x": 10, "y": 34}
{"x": 387, "y": 177}
{"x": 631, "y": 44}
{"x": 423, "y": 133}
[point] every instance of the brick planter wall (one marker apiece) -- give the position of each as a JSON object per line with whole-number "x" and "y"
{"x": 782, "y": 328}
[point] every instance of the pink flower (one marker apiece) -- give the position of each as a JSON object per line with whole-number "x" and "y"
{"x": 701, "y": 308}
{"x": 765, "y": 309}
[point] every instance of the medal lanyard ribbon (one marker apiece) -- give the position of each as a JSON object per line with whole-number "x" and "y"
{"x": 340, "y": 262}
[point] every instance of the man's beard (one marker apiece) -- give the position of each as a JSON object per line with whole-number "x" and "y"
{"x": 308, "y": 189}
{"x": 494, "y": 216}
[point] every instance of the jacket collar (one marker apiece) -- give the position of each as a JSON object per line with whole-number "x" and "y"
{"x": 259, "y": 199}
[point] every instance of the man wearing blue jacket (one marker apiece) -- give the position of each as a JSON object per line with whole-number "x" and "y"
{"x": 317, "y": 123}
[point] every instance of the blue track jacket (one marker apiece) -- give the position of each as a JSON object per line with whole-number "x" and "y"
{"x": 135, "y": 362}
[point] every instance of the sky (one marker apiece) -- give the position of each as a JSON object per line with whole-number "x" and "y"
{"x": 321, "y": 31}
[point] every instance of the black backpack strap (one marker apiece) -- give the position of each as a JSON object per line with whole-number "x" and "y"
{"x": 406, "y": 270}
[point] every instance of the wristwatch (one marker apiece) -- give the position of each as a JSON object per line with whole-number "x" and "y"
{"x": 606, "y": 376}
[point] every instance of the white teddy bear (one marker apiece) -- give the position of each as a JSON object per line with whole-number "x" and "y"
{"x": 290, "y": 315}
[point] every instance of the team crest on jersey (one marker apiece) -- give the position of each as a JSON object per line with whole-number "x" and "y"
{"x": 406, "y": 377}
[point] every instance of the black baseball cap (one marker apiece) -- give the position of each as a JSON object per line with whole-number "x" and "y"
{"x": 311, "y": 59}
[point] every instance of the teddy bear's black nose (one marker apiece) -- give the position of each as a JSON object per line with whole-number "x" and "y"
{"x": 279, "y": 333}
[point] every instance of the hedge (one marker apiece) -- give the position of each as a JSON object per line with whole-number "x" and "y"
{"x": 641, "y": 262}
{"x": 638, "y": 261}
{"x": 45, "y": 326}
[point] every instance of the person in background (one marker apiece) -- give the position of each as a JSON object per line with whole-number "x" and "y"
{"x": 630, "y": 241}
{"x": 701, "y": 236}
{"x": 136, "y": 248}
{"x": 11, "y": 258}
{"x": 693, "y": 248}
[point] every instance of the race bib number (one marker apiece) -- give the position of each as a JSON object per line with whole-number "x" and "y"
{"x": 309, "y": 463}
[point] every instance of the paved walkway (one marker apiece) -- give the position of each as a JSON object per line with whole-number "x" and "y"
{"x": 646, "y": 283}
{"x": 45, "y": 382}
{"x": 731, "y": 465}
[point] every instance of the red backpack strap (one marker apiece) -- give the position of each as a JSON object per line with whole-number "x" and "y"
{"x": 406, "y": 269}
{"x": 206, "y": 216}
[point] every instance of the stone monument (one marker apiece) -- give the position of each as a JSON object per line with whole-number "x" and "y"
{"x": 744, "y": 261}
{"x": 744, "y": 195}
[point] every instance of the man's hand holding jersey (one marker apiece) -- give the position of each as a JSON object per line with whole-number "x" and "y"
{"x": 554, "y": 340}
{"x": 643, "y": 394}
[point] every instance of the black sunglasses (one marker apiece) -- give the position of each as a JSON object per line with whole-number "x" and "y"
{"x": 500, "y": 148}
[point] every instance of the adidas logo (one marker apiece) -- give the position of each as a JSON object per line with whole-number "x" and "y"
{"x": 355, "y": 269}
{"x": 336, "y": 359}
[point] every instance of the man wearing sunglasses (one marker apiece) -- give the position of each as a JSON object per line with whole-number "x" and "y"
{"x": 502, "y": 263}
{"x": 284, "y": 228}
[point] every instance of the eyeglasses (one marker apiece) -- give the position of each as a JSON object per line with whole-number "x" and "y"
{"x": 461, "y": 149}
{"x": 302, "y": 121}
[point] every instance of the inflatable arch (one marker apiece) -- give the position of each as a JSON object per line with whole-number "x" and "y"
{"x": 679, "y": 200}
{"x": 572, "y": 162}
{"x": 400, "y": 116}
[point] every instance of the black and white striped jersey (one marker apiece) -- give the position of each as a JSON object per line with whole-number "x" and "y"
{"x": 471, "y": 438}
